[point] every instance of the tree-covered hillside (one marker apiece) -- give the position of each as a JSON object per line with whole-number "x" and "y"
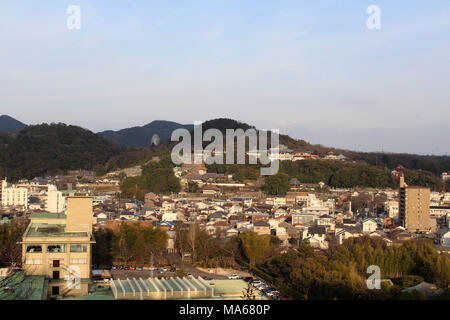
{"x": 52, "y": 148}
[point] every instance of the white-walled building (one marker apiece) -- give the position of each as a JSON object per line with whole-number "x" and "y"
{"x": 13, "y": 196}
{"x": 55, "y": 202}
{"x": 369, "y": 225}
{"x": 318, "y": 211}
{"x": 391, "y": 207}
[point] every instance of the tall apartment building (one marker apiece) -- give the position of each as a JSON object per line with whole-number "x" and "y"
{"x": 59, "y": 246}
{"x": 414, "y": 207}
{"x": 55, "y": 202}
{"x": 13, "y": 196}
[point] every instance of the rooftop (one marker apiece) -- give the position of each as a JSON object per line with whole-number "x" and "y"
{"x": 45, "y": 230}
{"x": 48, "y": 215}
{"x": 23, "y": 287}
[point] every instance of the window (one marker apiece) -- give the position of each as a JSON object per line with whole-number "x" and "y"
{"x": 34, "y": 248}
{"x": 78, "y": 248}
{"x": 56, "y": 248}
{"x": 55, "y": 263}
{"x": 33, "y": 261}
{"x": 78, "y": 261}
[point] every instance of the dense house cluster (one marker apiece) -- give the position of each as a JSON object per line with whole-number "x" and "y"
{"x": 323, "y": 218}
{"x": 72, "y": 207}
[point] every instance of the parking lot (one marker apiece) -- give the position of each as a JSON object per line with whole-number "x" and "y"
{"x": 144, "y": 274}
{"x": 124, "y": 274}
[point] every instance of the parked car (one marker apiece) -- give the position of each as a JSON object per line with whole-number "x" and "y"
{"x": 173, "y": 269}
{"x": 189, "y": 274}
{"x": 273, "y": 294}
{"x": 233, "y": 276}
{"x": 276, "y": 296}
{"x": 246, "y": 279}
{"x": 133, "y": 268}
{"x": 140, "y": 268}
{"x": 126, "y": 268}
{"x": 269, "y": 291}
{"x": 261, "y": 286}
{"x": 256, "y": 283}
{"x": 164, "y": 269}
{"x": 208, "y": 279}
{"x": 152, "y": 268}
{"x": 114, "y": 267}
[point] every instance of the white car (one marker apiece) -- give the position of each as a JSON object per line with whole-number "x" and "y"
{"x": 261, "y": 286}
{"x": 256, "y": 283}
{"x": 273, "y": 293}
{"x": 233, "y": 276}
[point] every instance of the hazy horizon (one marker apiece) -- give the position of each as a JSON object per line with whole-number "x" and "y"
{"x": 313, "y": 70}
{"x": 355, "y": 147}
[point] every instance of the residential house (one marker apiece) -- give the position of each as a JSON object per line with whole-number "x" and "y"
{"x": 261, "y": 227}
{"x": 369, "y": 225}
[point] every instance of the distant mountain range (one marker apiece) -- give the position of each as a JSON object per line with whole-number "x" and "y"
{"x": 10, "y": 125}
{"x": 141, "y": 136}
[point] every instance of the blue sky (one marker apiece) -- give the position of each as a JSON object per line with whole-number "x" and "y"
{"x": 309, "y": 68}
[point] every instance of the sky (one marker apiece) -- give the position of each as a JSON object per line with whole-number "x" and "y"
{"x": 311, "y": 69}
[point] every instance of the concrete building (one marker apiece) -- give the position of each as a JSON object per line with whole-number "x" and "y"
{"x": 414, "y": 207}
{"x": 13, "y": 196}
{"x": 59, "y": 246}
{"x": 316, "y": 210}
{"x": 55, "y": 202}
{"x": 391, "y": 207}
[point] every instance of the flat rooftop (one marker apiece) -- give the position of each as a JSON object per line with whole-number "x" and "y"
{"x": 23, "y": 287}
{"x": 48, "y": 215}
{"x": 45, "y": 230}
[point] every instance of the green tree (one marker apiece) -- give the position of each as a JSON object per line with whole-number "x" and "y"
{"x": 277, "y": 184}
{"x": 254, "y": 246}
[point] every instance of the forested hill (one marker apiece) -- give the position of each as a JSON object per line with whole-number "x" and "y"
{"x": 431, "y": 163}
{"x": 10, "y": 125}
{"x": 136, "y": 137}
{"x": 52, "y": 148}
